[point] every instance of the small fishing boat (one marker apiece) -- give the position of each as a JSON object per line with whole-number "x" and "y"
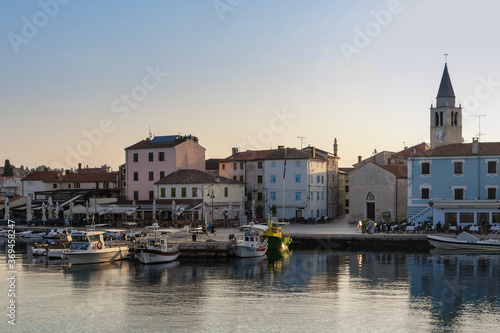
{"x": 466, "y": 242}
{"x": 155, "y": 249}
{"x": 56, "y": 233}
{"x": 89, "y": 247}
{"x": 252, "y": 243}
{"x": 52, "y": 250}
{"x": 277, "y": 239}
{"x": 30, "y": 234}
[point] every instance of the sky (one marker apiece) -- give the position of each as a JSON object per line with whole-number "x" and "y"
{"x": 82, "y": 80}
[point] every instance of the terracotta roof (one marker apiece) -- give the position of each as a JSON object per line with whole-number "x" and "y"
{"x": 45, "y": 176}
{"x": 462, "y": 149}
{"x": 250, "y": 155}
{"x": 152, "y": 144}
{"x": 291, "y": 154}
{"x": 91, "y": 177}
{"x": 191, "y": 176}
{"x": 421, "y": 147}
{"x": 399, "y": 170}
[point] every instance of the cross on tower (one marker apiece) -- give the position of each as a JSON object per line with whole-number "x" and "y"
{"x": 446, "y": 57}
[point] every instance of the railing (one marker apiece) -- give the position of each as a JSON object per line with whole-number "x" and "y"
{"x": 421, "y": 214}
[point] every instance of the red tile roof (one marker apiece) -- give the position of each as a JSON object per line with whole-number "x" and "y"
{"x": 91, "y": 177}
{"x": 270, "y": 154}
{"x": 190, "y": 176}
{"x": 152, "y": 144}
{"x": 45, "y": 176}
{"x": 462, "y": 149}
{"x": 409, "y": 151}
{"x": 250, "y": 155}
{"x": 399, "y": 170}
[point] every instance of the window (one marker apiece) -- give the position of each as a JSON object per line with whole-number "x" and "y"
{"x": 297, "y": 178}
{"x": 297, "y": 163}
{"x": 151, "y": 195}
{"x": 183, "y": 192}
{"x": 322, "y": 179}
{"x": 161, "y": 156}
{"x": 241, "y": 178}
{"x": 259, "y": 179}
{"x": 322, "y": 196}
{"x": 249, "y": 196}
{"x": 347, "y": 189}
{"x": 273, "y": 178}
{"x": 318, "y": 179}
{"x": 162, "y": 174}
{"x": 69, "y": 185}
{"x": 273, "y": 164}
{"x": 466, "y": 217}
{"x": 226, "y": 191}
{"x": 241, "y": 165}
{"x": 492, "y": 167}
{"x": 259, "y": 165}
{"x": 172, "y": 192}
{"x": 136, "y": 157}
{"x": 425, "y": 168}
{"x": 259, "y": 196}
{"x": 458, "y": 168}
{"x": 124, "y": 184}
{"x": 194, "y": 192}
{"x": 458, "y": 194}
{"x": 54, "y": 185}
{"x": 495, "y": 217}
{"x": 162, "y": 192}
{"x": 124, "y": 171}
{"x": 235, "y": 178}
{"x": 312, "y": 179}
{"x": 425, "y": 193}
{"x": 136, "y": 176}
{"x": 273, "y": 196}
{"x": 492, "y": 193}
{"x": 151, "y": 175}
{"x": 298, "y": 196}
{"x": 317, "y": 196}
{"x": 136, "y": 195}
{"x": 235, "y": 166}
{"x": 150, "y": 158}
{"x": 312, "y": 196}
{"x": 223, "y": 167}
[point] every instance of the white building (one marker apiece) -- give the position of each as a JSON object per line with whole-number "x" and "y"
{"x": 201, "y": 192}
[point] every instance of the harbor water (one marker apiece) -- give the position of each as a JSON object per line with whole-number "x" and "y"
{"x": 300, "y": 291}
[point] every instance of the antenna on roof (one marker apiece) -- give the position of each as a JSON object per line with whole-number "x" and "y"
{"x": 150, "y": 134}
{"x": 301, "y": 140}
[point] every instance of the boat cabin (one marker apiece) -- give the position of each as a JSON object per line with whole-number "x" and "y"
{"x": 82, "y": 240}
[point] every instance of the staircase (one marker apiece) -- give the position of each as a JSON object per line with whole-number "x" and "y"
{"x": 423, "y": 213}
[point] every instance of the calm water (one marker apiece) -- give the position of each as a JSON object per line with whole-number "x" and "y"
{"x": 316, "y": 291}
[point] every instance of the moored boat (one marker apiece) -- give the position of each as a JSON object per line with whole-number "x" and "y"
{"x": 252, "y": 243}
{"x": 156, "y": 250}
{"x": 466, "y": 242}
{"x": 89, "y": 247}
{"x": 52, "y": 250}
{"x": 277, "y": 239}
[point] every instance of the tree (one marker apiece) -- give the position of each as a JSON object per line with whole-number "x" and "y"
{"x": 8, "y": 169}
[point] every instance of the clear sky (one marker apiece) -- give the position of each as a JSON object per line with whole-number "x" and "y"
{"x": 82, "y": 80}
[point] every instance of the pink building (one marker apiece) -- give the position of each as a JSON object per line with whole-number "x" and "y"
{"x": 150, "y": 160}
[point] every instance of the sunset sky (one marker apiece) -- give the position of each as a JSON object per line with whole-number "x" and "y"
{"x": 82, "y": 80}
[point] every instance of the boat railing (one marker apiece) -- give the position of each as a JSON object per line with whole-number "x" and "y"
{"x": 493, "y": 235}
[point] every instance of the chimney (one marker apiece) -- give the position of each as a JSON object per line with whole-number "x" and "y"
{"x": 234, "y": 150}
{"x": 313, "y": 151}
{"x": 335, "y": 147}
{"x": 359, "y": 158}
{"x": 281, "y": 147}
{"x": 475, "y": 146}
{"x": 79, "y": 166}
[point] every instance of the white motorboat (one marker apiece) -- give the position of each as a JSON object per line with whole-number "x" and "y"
{"x": 88, "y": 247}
{"x": 30, "y": 234}
{"x": 252, "y": 243}
{"x": 466, "y": 242}
{"x": 53, "y": 250}
{"x": 56, "y": 233}
{"x": 155, "y": 249}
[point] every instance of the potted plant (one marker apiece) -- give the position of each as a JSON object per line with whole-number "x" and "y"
{"x": 401, "y": 228}
{"x": 446, "y": 228}
{"x": 424, "y": 227}
{"x": 364, "y": 225}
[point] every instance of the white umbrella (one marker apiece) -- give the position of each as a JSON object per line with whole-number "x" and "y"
{"x": 174, "y": 209}
{"x": 71, "y": 206}
{"x": 29, "y": 215}
{"x": 253, "y": 209}
{"x": 242, "y": 211}
{"x": 57, "y": 210}
{"x": 51, "y": 216}
{"x": 44, "y": 217}
{"x": 6, "y": 203}
{"x": 135, "y": 210}
{"x": 154, "y": 209}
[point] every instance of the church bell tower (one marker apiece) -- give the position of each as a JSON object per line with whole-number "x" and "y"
{"x": 446, "y": 117}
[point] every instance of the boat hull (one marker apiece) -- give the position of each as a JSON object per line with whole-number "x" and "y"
{"x": 245, "y": 251}
{"x": 447, "y": 243}
{"x": 80, "y": 257}
{"x": 147, "y": 256}
{"x": 278, "y": 243}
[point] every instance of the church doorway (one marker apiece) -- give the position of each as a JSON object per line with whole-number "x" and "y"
{"x": 370, "y": 206}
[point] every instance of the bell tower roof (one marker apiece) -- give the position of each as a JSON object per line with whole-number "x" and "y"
{"x": 445, "y": 88}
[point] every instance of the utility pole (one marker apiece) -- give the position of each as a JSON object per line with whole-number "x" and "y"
{"x": 479, "y": 117}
